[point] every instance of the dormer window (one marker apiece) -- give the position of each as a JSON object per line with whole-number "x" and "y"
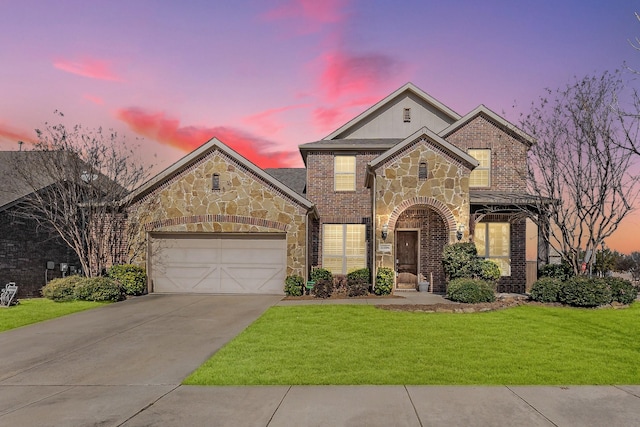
{"x": 406, "y": 115}
{"x": 215, "y": 182}
{"x": 422, "y": 171}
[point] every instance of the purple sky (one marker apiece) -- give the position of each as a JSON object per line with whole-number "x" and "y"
{"x": 267, "y": 75}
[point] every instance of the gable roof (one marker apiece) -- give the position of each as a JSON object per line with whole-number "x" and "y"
{"x": 408, "y": 87}
{"x": 294, "y": 178}
{"x": 450, "y": 148}
{"x": 205, "y": 149}
{"x": 482, "y": 110}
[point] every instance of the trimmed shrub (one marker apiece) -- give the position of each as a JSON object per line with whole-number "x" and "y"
{"x": 362, "y": 274}
{"x": 99, "y": 289}
{"x": 323, "y": 288}
{"x": 294, "y": 285}
{"x": 487, "y": 270}
{"x": 318, "y": 274}
{"x": 132, "y": 278}
{"x": 622, "y": 290}
{"x": 559, "y": 271}
{"x": 470, "y": 291}
{"x": 585, "y": 292}
{"x": 458, "y": 260}
{"x": 357, "y": 287}
{"x": 546, "y": 289}
{"x": 340, "y": 283}
{"x": 62, "y": 289}
{"x": 384, "y": 281}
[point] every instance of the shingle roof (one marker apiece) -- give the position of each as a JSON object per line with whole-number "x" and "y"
{"x": 294, "y": 178}
{"x": 13, "y": 188}
{"x": 480, "y": 197}
{"x": 361, "y": 144}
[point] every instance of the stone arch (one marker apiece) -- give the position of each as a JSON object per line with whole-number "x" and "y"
{"x": 435, "y": 204}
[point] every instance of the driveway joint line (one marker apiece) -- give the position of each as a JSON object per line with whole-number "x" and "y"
{"x": 530, "y": 405}
{"x": 10, "y": 411}
{"x": 626, "y": 391}
{"x": 148, "y": 406}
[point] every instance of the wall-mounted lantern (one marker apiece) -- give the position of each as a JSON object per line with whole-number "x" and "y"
{"x": 385, "y": 231}
{"x": 459, "y": 232}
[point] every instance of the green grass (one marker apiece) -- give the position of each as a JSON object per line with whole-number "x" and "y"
{"x": 38, "y": 309}
{"x": 336, "y": 344}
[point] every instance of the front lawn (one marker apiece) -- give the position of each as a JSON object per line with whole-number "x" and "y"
{"x": 336, "y": 344}
{"x": 39, "y": 309}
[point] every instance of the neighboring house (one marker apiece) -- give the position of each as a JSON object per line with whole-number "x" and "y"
{"x": 390, "y": 188}
{"x": 30, "y": 254}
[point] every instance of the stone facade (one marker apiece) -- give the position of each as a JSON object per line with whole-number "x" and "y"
{"x": 445, "y": 192}
{"x": 244, "y": 203}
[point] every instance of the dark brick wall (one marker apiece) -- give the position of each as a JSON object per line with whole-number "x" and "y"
{"x": 508, "y": 155}
{"x": 25, "y": 249}
{"x": 515, "y": 283}
{"x": 433, "y": 238}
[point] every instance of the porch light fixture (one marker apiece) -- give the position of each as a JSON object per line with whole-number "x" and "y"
{"x": 459, "y": 232}
{"x": 385, "y": 231}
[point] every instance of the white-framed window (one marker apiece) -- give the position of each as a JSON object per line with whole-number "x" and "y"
{"x": 344, "y": 247}
{"x": 344, "y": 173}
{"x": 493, "y": 242}
{"x": 406, "y": 115}
{"x": 481, "y": 176}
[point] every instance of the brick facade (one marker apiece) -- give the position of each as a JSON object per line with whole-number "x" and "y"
{"x": 508, "y": 155}
{"x": 25, "y": 249}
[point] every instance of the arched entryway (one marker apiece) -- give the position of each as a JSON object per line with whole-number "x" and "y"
{"x": 420, "y": 236}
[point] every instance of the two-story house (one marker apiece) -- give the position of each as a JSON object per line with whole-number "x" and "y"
{"x": 389, "y": 188}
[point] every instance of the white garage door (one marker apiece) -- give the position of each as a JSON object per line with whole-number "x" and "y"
{"x": 230, "y": 264}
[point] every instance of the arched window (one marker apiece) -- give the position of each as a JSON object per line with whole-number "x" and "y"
{"x": 422, "y": 171}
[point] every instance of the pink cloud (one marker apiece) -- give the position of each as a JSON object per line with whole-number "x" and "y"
{"x": 266, "y": 120}
{"x": 9, "y": 134}
{"x": 159, "y": 127}
{"x": 309, "y": 15}
{"x": 95, "y": 99}
{"x": 350, "y": 74}
{"x": 88, "y": 67}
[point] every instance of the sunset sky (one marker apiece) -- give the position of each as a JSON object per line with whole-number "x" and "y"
{"x": 265, "y": 76}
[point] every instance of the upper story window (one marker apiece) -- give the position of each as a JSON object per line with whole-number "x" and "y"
{"x": 422, "y": 171}
{"x": 344, "y": 173}
{"x": 406, "y": 115}
{"x": 481, "y": 176}
{"x": 215, "y": 182}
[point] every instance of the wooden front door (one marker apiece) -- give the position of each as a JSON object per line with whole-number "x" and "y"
{"x": 407, "y": 258}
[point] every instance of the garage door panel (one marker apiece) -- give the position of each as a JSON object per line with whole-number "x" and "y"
{"x": 219, "y": 265}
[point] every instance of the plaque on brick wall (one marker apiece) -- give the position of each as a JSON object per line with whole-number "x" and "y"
{"x": 384, "y": 248}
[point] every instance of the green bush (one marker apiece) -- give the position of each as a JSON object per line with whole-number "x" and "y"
{"x": 470, "y": 291}
{"x": 622, "y": 290}
{"x": 546, "y": 289}
{"x": 62, "y": 289}
{"x": 458, "y": 260}
{"x": 487, "y": 270}
{"x": 384, "y": 281}
{"x": 362, "y": 274}
{"x": 559, "y": 271}
{"x": 585, "y": 292}
{"x": 132, "y": 278}
{"x": 99, "y": 289}
{"x": 294, "y": 285}
{"x": 323, "y": 288}
{"x": 318, "y": 274}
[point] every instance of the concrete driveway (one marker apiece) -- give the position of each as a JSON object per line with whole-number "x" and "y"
{"x": 104, "y": 366}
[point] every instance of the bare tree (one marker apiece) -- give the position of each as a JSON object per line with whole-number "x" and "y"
{"x": 73, "y": 181}
{"x": 579, "y": 161}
